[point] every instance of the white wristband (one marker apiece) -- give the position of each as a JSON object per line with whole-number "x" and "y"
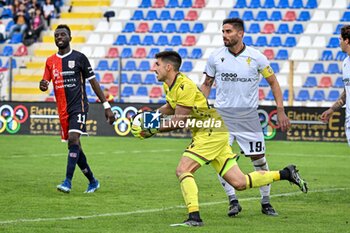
{"x": 106, "y": 105}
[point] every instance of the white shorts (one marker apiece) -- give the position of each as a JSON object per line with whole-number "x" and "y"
{"x": 249, "y": 136}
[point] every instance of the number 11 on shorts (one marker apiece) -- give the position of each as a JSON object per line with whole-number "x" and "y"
{"x": 81, "y": 119}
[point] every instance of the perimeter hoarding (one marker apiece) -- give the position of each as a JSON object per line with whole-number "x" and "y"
{"x": 38, "y": 118}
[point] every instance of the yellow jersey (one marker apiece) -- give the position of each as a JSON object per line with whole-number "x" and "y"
{"x": 184, "y": 92}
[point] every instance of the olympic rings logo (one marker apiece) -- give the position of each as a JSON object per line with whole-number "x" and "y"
{"x": 265, "y": 120}
{"x": 122, "y": 125}
{"x": 11, "y": 118}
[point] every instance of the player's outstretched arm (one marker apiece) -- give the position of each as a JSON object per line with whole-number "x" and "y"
{"x": 108, "y": 112}
{"x": 206, "y": 86}
{"x": 283, "y": 120}
{"x": 44, "y": 85}
{"x": 335, "y": 107}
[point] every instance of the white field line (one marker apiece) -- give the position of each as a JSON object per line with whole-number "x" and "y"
{"x": 98, "y": 153}
{"x": 158, "y": 210}
{"x": 177, "y": 150}
{"x": 310, "y": 155}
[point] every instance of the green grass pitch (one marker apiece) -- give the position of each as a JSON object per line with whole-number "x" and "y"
{"x": 140, "y": 192}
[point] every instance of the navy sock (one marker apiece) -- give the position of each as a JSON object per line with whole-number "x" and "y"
{"x": 84, "y": 167}
{"x": 284, "y": 174}
{"x": 194, "y": 216}
{"x": 73, "y": 156}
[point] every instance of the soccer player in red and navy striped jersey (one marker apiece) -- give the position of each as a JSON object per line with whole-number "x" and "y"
{"x": 68, "y": 70}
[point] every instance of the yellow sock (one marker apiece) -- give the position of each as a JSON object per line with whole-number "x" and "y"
{"x": 257, "y": 179}
{"x": 189, "y": 191}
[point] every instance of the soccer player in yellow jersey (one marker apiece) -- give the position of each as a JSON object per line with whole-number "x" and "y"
{"x": 187, "y": 107}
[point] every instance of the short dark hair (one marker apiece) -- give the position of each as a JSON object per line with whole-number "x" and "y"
{"x": 172, "y": 57}
{"x": 65, "y": 26}
{"x": 237, "y": 23}
{"x": 345, "y": 32}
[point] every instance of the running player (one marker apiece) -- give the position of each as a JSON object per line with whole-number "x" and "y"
{"x": 187, "y": 107}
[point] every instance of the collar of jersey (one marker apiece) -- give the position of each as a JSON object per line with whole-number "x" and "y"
{"x": 171, "y": 86}
{"x": 237, "y": 54}
{"x": 65, "y": 55}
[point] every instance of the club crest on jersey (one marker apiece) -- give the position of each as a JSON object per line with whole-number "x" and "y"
{"x": 71, "y": 64}
{"x": 249, "y": 59}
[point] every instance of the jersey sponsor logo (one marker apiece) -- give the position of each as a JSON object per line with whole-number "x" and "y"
{"x": 67, "y": 73}
{"x": 55, "y": 73}
{"x": 233, "y": 78}
{"x": 71, "y": 64}
{"x": 65, "y": 83}
{"x": 228, "y": 75}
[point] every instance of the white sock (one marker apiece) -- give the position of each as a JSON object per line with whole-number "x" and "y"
{"x": 230, "y": 191}
{"x": 261, "y": 165}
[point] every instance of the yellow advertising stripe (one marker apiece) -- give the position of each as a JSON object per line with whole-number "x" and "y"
{"x": 26, "y": 90}
{"x": 35, "y": 65}
{"x": 91, "y": 3}
{"x": 75, "y": 39}
{"x": 80, "y": 15}
{"x": 44, "y": 53}
{"x": 27, "y": 78}
{"x": 77, "y": 27}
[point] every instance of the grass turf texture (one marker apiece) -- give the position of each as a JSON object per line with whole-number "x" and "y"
{"x": 140, "y": 192}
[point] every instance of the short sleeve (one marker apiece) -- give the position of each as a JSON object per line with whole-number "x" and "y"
{"x": 87, "y": 70}
{"x": 210, "y": 67}
{"x": 47, "y": 72}
{"x": 264, "y": 66}
{"x": 186, "y": 94}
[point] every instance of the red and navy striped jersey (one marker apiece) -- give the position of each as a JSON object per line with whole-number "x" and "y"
{"x": 68, "y": 74}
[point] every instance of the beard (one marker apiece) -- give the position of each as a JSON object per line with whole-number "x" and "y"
{"x": 230, "y": 43}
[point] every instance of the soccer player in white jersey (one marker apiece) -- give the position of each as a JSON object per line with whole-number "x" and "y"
{"x": 236, "y": 70}
{"x": 345, "y": 96}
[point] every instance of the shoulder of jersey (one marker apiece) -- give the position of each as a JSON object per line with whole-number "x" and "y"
{"x": 185, "y": 80}
{"x": 77, "y": 52}
{"x": 218, "y": 51}
{"x": 52, "y": 56}
{"x": 250, "y": 49}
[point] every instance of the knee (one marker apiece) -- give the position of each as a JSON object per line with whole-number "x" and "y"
{"x": 238, "y": 182}
{"x": 179, "y": 172}
{"x": 73, "y": 141}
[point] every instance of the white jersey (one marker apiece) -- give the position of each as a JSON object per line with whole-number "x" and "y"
{"x": 237, "y": 78}
{"x": 346, "y": 81}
